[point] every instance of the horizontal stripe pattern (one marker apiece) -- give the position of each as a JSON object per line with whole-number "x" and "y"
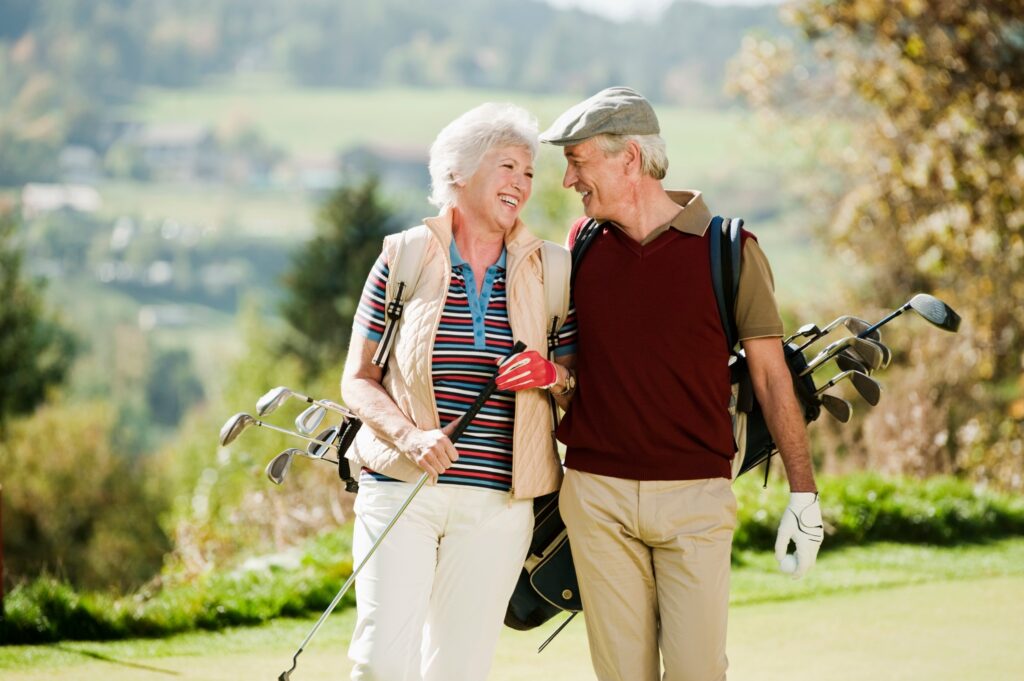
{"x": 461, "y": 366}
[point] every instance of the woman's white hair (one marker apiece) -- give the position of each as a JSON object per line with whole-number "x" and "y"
{"x": 653, "y": 157}
{"x": 456, "y": 153}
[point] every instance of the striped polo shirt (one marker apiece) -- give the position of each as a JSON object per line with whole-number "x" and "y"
{"x": 474, "y": 333}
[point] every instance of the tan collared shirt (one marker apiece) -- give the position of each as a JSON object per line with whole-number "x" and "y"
{"x": 757, "y": 313}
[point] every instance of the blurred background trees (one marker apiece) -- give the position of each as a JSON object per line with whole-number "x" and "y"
{"x": 931, "y": 201}
{"x": 36, "y": 351}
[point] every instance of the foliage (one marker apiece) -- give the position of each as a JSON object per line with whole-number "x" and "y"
{"x": 857, "y": 510}
{"x": 224, "y": 506}
{"x": 281, "y": 585}
{"x": 865, "y": 508}
{"x": 933, "y": 200}
{"x": 171, "y": 387}
{"x": 73, "y": 506}
{"x": 327, "y": 275}
{"x": 36, "y": 352}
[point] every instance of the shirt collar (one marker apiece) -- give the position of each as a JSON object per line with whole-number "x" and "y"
{"x": 457, "y": 261}
{"x": 693, "y": 216}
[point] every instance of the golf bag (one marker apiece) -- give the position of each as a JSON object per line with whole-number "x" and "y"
{"x": 547, "y": 584}
{"x": 754, "y": 444}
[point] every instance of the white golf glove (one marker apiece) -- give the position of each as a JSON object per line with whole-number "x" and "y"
{"x": 801, "y": 524}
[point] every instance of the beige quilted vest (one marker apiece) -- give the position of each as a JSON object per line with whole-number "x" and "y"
{"x": 536, "y": 469}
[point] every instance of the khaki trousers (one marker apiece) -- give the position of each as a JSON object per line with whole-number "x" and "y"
{"x": 653, "y": 563}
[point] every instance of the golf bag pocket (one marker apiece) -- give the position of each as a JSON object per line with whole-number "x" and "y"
{"x": 547, "y": 584}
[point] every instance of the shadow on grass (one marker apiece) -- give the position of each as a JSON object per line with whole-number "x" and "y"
{"x": 107, "y": 658}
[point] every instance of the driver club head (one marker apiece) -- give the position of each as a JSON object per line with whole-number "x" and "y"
{"x": 935, "y": 311}
{"x": 234, "y": 426}
{"x": 867, "y": 387}
{"x": 310, "y": 419}
{"x": 279, "y": 465}
{"x": 839, "y": 408}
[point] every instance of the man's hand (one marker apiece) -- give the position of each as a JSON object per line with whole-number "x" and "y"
{"x": 801, "y": 524}
{"x": 525, "y": 370}
{"x": 432, "y": 451}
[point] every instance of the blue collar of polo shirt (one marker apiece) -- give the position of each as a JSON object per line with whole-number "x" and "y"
{"x": 457, "y": 261}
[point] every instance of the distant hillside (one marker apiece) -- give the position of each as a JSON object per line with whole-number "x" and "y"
{"x": 526, "y": 45}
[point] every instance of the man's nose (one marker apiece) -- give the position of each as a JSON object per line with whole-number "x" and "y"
{"x": 569, "y": 179}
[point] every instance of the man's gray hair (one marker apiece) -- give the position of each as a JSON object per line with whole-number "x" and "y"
{"x": 456, "y": 153}
{"x": 653, "y": 157}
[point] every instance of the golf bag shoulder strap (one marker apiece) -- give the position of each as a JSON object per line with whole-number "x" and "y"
{"x": 403, "y": 275}
{"x": 584, "y": 238}
{"x": 557, "y": 268}
{"x": 725, "y": 243}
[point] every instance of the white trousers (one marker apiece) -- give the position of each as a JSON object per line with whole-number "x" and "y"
{"x": 431, "y": 600}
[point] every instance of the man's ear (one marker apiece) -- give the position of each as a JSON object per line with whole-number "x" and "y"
{"x": 632, "y": 159}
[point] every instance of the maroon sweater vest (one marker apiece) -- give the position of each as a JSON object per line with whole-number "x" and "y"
{"x": 653, "y": 387}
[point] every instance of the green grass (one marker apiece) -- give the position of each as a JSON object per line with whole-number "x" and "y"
{"x": 879, "y": 612}
{"x": 319, "y": 120}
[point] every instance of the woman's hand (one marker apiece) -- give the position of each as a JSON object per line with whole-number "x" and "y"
{"x": 525, "y": 370}
{"x": 432, "y": 451}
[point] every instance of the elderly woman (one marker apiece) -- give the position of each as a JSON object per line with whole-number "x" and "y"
{"x": 431, "y": 600}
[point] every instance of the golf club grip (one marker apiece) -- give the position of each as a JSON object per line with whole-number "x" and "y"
{"x": 482, "y": 398}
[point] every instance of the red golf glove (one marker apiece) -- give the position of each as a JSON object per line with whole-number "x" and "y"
{"x": 525, "y": 370}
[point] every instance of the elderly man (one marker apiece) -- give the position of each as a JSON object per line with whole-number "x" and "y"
{"x": 647, "y": 497}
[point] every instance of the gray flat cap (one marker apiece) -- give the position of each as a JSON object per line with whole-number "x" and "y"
{"x": 612, "y": 111}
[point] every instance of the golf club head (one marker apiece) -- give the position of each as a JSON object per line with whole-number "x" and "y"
{"x": 271, "y": 400}
{"x": 310, "y": 419}
{"x": 329, "y": 436}
{"x": 857, "y": 326}
{"x": 935, "y": 311}
{"x": 234, "y": 427}
{"x": 805, "y": 331}
{"x": 279, "y": 465}
{"x": 850, "y": 361}
{"x": 886, "y": 354}
{"x": 839, "y": 408}
{"x": 869, "y": 352}
{"x": 867, "y": 387}
{"x": 830, "y": 351}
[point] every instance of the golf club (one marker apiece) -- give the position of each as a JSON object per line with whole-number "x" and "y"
{"x": 805, "y": 331}
{"x": 275, "y": 397}
{"x": 329, "y": 440}
{"x": 310, "y": 419}
{"x": 279, "y": 465}
{"x": 239, "y": 422}
{"x": 931, "y": 308}
{"x": 855, "y": 325}
{"x": 460, "y": 428}
{"x": 839, "y": 408}
{"x": 865, "y": 348}
{"x": 848, "y": 361}
{"x": 866, "y": 386}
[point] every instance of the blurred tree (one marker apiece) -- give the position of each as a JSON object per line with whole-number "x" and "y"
{"x": 75, "y": 508}
{"x": 322, "y": 287}
{"x": 934, "y": 196}
{"x": 172, "y": 386}
{"x": 35, "y": 351}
